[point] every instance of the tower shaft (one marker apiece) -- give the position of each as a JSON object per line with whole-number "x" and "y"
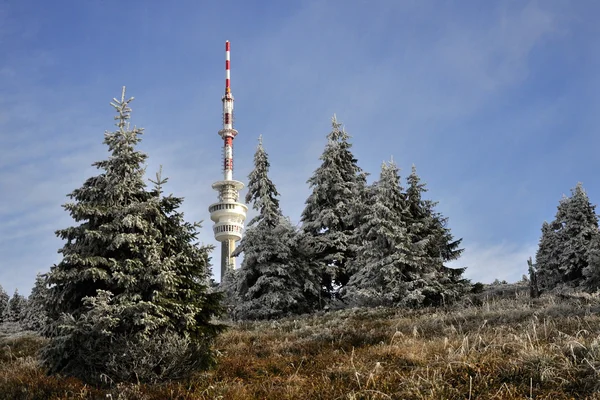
{"x": 228, "y": 214}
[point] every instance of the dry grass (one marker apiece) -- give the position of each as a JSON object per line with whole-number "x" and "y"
{"x": 505, "y": 347}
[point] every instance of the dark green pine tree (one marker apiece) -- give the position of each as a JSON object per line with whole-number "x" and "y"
{"x": 567, "y": 244}
{"x": 129, "y": 300}
{"x": 385, "y": 262}
{"x": 433, "y": 246}
{"x": 331, "y": 215}
{"x": 272, "y": 281}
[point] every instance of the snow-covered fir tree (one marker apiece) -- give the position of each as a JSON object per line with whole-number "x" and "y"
{"x": 591, "y": 272}
{"x": 404, "y": 245}
{"x": 129, "y": 300}
{"x": 567, "y": 244}
{"x": 546, "y": 265}
{"x": 384, "y": 262}
{"x": 433, "y": 246}
{"x": 427, "y": 225}
{"x": 4, "y": 298}
{"x": 35, "y": 317}
{"x": 579, "y": 229}
{"x": 14, "y": 311}
{"x": 330, "y": 217}
{"x": 272, "y": 281}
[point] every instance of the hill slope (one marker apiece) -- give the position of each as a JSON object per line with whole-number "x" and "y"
{"x": 500, "y": 344}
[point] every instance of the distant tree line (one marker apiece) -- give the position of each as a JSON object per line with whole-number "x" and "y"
{"x": 27, "y": 312}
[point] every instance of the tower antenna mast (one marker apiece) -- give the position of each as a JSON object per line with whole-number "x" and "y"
{"x": 228, "y": 214}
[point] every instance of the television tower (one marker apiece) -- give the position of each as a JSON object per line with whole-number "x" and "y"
{"x": 228, "y": 214}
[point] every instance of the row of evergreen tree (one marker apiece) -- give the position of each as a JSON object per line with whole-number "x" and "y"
{"x": 569, "y": 249}
{"x": 131, "y": 299}
{"x": 358, "y": 244}
{"x": 27, "y": 312}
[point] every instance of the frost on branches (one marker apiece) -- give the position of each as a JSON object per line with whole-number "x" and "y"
{"x": 330, "y": 216}
{"x": 35, "y": 317}
{"x": 15, "y": 308}
{"x": 4, "y": 298}
{"x": 129, "y": 300}
{"x": 384, "y": 255}
{"x": 568, "y": 252}
{"x": 403, "y": 246}
{"x": 434, "y": 245}
{"x": 273, "y": 281}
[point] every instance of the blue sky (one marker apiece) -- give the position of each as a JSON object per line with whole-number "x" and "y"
{"x": 496, "y": 103}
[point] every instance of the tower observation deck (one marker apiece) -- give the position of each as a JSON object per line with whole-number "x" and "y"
{"x": 228, "y": 214}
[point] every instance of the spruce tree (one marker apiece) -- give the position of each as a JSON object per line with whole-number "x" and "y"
{"x": 15, "y": 309}
{"x": 427, "y": 225}
{"x": 579, "y": 228}
{"x": 547, "y": 255}
{"x": 433, "y": 246}
{"x": 330, "y": 217}
{"x": 129, "y": 300}
{"x": 592, "y": 271}
{"x": 272, "y": 281}
{"x": 385, "y": 262}
{"x": 4, "y": 298}
{"x": 567, "y": 244}
{"x": 35, "y": 317}
{"x": 262, "y": 192}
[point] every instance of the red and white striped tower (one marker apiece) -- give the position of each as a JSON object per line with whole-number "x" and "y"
{"x": 228, "y": 214}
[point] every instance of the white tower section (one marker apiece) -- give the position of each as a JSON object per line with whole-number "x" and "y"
{"x": 228, "y": 214}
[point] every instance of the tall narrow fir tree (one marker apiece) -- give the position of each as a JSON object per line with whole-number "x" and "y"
{"x": 331, "y": 210}
{"x": 272, "y": 281}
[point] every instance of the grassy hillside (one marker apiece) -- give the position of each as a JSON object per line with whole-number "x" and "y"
{"x": 500, "y": 345}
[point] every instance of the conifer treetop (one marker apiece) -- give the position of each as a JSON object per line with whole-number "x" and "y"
{"x": 335, "y": 183}
{"x": 262, "y": 192}
{"x": 123, "y": 109}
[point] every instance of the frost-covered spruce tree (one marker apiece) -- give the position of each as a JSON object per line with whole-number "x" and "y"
{"x": 4, "y": 298}
{"x": 129, "y": 300}
{"x": 433, "y": 246}
{"x": 546, "y": 258}
{"x": 14, "y": 311}
{"x": 566, "y": 243}
{"x": 579, "y": 229}
{"x": 272, "y": 281}
{"x": 385, "y": 262}
{"x": 188, "y": 297}
{"x": 428, "y": 225}
{"x": 330, "y": 217}
{"x": 35, "y": 317}
{"x": 592, "y": 271}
